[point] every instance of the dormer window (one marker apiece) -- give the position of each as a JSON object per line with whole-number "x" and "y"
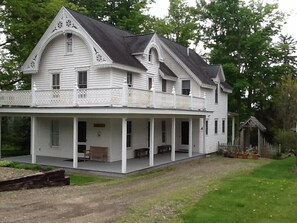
{"x": 153, "y": 56}
{"x": 217, "y": 94}
{"x": 69, "y": 43}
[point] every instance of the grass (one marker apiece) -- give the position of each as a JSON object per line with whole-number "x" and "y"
{"x": 80, "y": 180}
{"x": 268, "y": 194}
{"x": 17, "y": 165}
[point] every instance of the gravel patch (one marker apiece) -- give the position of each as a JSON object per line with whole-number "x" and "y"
{"x": 7, "y": 173}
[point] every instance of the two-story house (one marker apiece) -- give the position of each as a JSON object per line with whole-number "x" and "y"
{"x": 94, "y": 85}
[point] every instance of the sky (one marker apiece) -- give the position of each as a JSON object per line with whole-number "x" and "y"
{"x": 288, "y": 6}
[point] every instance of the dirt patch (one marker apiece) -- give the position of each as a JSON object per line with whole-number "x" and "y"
{"x": 150, "y": 196}
{"x": 7, "y": 173}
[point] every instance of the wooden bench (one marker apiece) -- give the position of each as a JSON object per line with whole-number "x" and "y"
{"x": 96, "y": 152}
{"x": 164, "y": 149}
{"x": 141, "y": 152}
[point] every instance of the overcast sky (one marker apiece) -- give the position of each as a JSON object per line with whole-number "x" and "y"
{"x": 287, "y": 6}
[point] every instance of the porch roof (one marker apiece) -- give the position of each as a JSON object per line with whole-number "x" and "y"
{"x": 115, "y": 112}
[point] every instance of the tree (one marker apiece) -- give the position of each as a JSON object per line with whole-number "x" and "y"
{"x": 126, "y": 14}
{"x": 240, "y": 36}
{"x": 285, "y": 99}
{"x": 23, "y": 24}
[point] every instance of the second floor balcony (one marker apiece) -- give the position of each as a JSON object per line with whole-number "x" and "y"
{"x": 101, "y": 97}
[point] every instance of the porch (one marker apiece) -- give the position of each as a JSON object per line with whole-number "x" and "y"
{"x": 102, "y": 97}
{"x": 133, "y": 165}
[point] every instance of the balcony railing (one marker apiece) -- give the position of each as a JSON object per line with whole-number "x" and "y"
{"x": 116, "y": 97}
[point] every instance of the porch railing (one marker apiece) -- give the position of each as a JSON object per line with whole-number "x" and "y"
{"x": 117, "y": 97}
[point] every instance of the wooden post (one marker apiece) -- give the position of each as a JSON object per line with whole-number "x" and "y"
{"x": 125, "y": 94}
{"x": 75, "y": 133}
{"x": 191, "y": 98}
{"x": 233, "y": 131}
{"x": 124, "y": 145}
{"x": 0, "y": 135}
{"x": 174, "y": 97}
{"x": 34, "y": 95}
{"x": 173, "y": 124}
{"x": 204, "y": 135}
{"x": 75, "y": 94}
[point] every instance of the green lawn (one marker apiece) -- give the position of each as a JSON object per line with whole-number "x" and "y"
{"x": 80, "y": 180}
{"x": 268, "y": 194}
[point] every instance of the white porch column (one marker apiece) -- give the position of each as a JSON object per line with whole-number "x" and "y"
{"x": 152, "y": 138}
{"x": 233, "y": 131}
{"x": 124, "y": 145}
{"x": 190, "y": 137}
{"x": 173, "y": 139}
{"x": 204, "y": 135}
{"x": 75, "y": 132}
{"x": 33, "y": 131}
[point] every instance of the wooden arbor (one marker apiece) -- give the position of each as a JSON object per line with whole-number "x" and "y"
{"x": 247, "y": 133}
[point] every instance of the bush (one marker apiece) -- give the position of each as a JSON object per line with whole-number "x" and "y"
{"x": 6, "y": 163}
{"x": 287, "y": 139}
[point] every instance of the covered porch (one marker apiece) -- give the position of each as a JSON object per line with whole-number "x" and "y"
{"x": 133, "y": 165}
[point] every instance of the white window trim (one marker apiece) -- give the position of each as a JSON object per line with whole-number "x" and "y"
{"x": 216, "y": 120}
{"x": 181, "y": 85}
{"x": 129, "y": 134}
{"x": 224, "y": 129}
{"x": 66, "y": 44}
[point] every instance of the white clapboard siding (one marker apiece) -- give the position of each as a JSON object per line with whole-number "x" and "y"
{"x": 54, "y": 59}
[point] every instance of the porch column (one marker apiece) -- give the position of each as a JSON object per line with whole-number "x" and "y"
{"x": 33, "y": 153}
{"x": 190, "y": 137}
{"x": 173, "y": 139}
{"x": 75, "y": 132}
{"x": 124, "y": 145}
{"x": 204, "y": 135}
{"x": 152, "y": 135}
{"x": 233, "y": 130}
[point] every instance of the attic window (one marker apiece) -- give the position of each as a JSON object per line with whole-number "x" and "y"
{"x": 69, "y": 43}
{"x": 150, "y": 55}
{"x": 217, "y": 94}
{"x": 153, "y": 56}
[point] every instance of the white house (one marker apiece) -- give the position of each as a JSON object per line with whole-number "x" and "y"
{"x": 94, "y": 85}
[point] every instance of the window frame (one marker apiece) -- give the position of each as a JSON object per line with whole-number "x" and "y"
{"x": 150, "y": 83}
{"x": 223, "y": 126}
{"x": 185, "y": 91}
{"x": 130, "y": 79}
{"x": 55, "y": 133}
{"x": 81, "y": 78}
{"x": 217, "y": 94}
{"x": 56, "y": 81}
{"x": 206, "y": 127}
{"x": 164, "y": 85}
{"x": 69, "y": 43}
{"x": 216, "y": 126}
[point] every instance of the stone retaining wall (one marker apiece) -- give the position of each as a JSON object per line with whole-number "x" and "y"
{"x": 48, "y": 179}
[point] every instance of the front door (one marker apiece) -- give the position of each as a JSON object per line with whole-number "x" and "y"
{"x": 82, "y": 136}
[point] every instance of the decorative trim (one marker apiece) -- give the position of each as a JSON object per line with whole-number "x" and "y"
{"x": 98, "y": 56}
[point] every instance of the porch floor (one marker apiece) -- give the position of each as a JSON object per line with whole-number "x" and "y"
{"x": 133, "y": 165}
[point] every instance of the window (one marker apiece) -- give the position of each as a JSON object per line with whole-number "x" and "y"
{"x": 185, "y": 87}
{"x": 216, "y": 126}
{"x": 217, "y": 95}
{"x": 150, "y": 83}
{"x": 129, "y": 133}
{"x": 69, "y": 43}
{"x": 185, "y": 133}
{"x": 163, "y": 131}
{"x": 129, "y": 79}
{"x": 82, "y": 79}
{"x": 164, "y": 85}
{"x": 56, "y": 81}
{"x": 55, "y": 133}
{"x": 150, "y": 55}
{"x": 206, "y": 127}
{"x": 223, "y": 126}
{"x": 56, "y": 85}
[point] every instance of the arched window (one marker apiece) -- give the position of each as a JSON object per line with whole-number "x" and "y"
{"x": 153, "y": 56}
